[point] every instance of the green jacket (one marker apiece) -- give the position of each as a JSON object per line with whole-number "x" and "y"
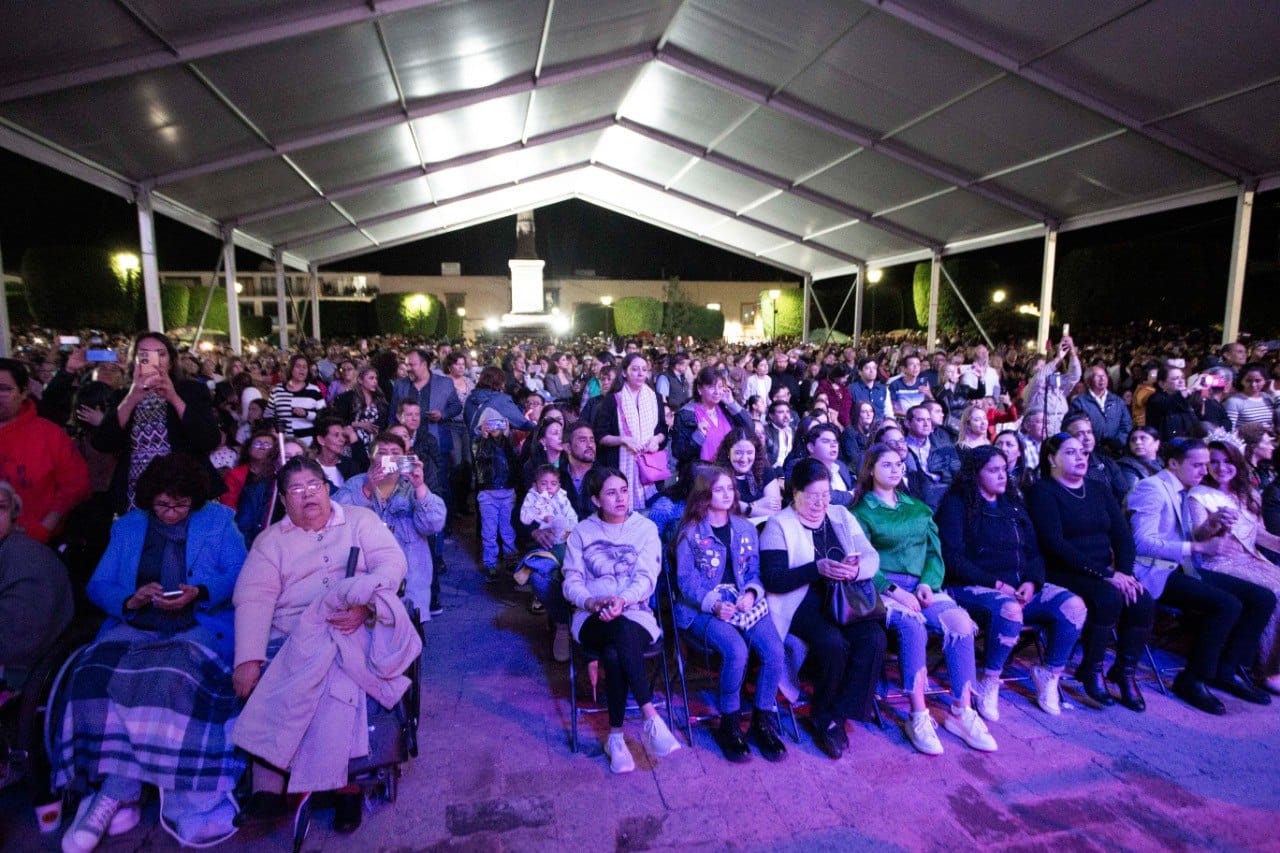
{"x": 905, "y": 537}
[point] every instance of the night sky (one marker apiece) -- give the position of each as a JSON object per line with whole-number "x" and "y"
{"x": 44, "y": 207}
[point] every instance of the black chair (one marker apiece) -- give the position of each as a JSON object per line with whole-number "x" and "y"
{"x": 656, "y": 650}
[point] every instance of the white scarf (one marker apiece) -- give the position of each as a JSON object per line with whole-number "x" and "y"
{"x": 637, "y": 418}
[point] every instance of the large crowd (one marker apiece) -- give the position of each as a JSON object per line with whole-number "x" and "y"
{"x": 800, "y": 504}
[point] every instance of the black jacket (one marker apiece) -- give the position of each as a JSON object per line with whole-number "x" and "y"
{"x": 997, "y": 544}
{"x": 604, "y": 421}
{"x": 686, "y": 441}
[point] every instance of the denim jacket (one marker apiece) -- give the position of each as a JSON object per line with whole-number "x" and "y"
{"x": 700, "y": 557}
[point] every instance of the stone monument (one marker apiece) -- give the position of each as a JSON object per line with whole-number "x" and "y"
{"x": 526, "y": 270}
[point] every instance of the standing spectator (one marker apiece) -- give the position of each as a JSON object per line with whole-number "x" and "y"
{"x": 675, "y": 386}
{"x": 1048, "y": 389}
{"x": 295, "y": 403}
{"x": 459, "y": 462}
{"x": 159, "y": 414}
{"x": 363, "y": 408}
{"x": 758, "y": 384}
{"x": 343, "y": 381}
{"x": 984, "y": 378}
{"x": 1249, "y": 405}
{"x": 496, "y": 477}
{"x": 558, "y": 383}
{"x": 1174, "y": 410}
{"x": 435, "y": 394}
{"x": 405, "y": 504}
{"x": 37, "y": 458}
{"x": 704, "y": 422}
{"x": 909, "y": 389}
{"x": 631, "y": 419}
{"x": 1107, "y": 412}
{"x": 841, "y": 394}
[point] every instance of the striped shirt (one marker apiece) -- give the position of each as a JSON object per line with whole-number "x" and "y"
{"x": 280, "y": 408}
{"x": 1244, "y": 410}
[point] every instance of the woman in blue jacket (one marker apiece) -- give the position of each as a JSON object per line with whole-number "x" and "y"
{"x": 718, "y": 575}
{"x": 996, "y": 572}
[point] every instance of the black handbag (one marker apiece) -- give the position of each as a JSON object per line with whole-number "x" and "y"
{"x": 847, "y": 602}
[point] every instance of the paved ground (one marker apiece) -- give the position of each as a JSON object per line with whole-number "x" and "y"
{"x": 496, "y": 773}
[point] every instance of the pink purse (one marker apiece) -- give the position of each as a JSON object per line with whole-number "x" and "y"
{"x": 651, "y": 465}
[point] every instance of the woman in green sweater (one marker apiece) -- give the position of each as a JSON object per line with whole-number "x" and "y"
{"x": 911, "y": 572}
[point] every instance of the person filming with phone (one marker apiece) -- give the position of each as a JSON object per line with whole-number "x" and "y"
{"x": 160, "y": 413}
{"x": 395, "y": 489}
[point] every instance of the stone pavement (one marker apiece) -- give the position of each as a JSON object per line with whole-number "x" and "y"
{"x": 495, "y": 772}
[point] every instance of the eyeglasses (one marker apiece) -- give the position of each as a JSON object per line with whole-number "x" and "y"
{"x": 307, "y": 489}
{"x": 164, "y": 506}
{"x": 263, "y": 445}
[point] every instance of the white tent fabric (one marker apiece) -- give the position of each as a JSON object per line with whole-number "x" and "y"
{"x": 815, "y": 135}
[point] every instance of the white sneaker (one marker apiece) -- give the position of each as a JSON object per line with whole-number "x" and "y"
{"x": 1047, "y": 696}
{"x": 1272, "y": 683}
{"x": 922, "y": 731}
{"x": 620, "y": 760}
{"x": 968, "y": 726}
{"x": 127, "y": 817}
{"x": 986, "y": 696}
{"x": 657, "y": 738}
{"x": 93, "y": 817}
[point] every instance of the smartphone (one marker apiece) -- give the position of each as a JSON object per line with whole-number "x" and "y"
{"x": 100, "y": 355}
{"x": 496, "y": 424}
{"x": 1066, "y": 330}
{"x": 389, "y": 465}
{"x": 144, "y": 357}
{"x": 69, "y": 340}
{"x": 404, "y": 464}
{"x": 171, "y": 594}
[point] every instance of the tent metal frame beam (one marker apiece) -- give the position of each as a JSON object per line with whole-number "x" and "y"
{"x": 392, "y": 216}
{"x": 1239, "y": 263}
{"x": 167, "y": 57}
{"x": 150, "y": 269}
{"x": 791, "y": 237}
{"x": 777, "y": 182}
{"x": 762, "y": 93}
{"x": 1047, "y": 268}
{"x": 1057, "y": 86}
{"x": 414, "y": 173}
{"x": 420, "y": 108}
{"x": 859, "y": 295}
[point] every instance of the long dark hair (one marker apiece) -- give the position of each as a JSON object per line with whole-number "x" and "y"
{"x": 174, "y": 374}
{"x": 697, "y": 503}
{"x": 1240, "y": 487}
{"x": 965, "y": 485}
{"x": 595, "y": 479}
{"x": 754, "y": 477}
{"x": 1050, "y": 449}
{"x": 620, "y": 378}
{"x": 866, "y": 479}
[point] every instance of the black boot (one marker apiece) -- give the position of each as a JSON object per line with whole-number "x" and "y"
{"x": 347, "y": 812}
{"x": 764, "y": 731}
{"x": 1121, "y": 675}
{"x": 1089, "y": 675}
{"x": 729, "y": 737}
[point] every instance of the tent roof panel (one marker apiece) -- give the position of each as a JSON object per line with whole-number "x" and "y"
{"x": 516, "y": 166}
{"x": 183, "y": 23}
{"x": 571, "y": 103}
{"x": 1196, "y": 62}
{"x": 805, "y": 257}
{"x": 782, "y": 145}
{"x": 1119, "y": 171}
{"x": 678, "y": 104}
{"x": 797, "y": 215}
{"x": 863, "y": 241}
{"x": 359, "y": 158}
{"x": 138, "y": 126}
{"x": 458, "y": 46}
{"x": 473, "y": 128}
{"x": 875, "y": 182}
{"x": 883, "y": 74}
{"x": 956, "y": 215}
{"x": 640, "y": 155}
{"x": 756, "y": 38}
{"x": 383, "y": 200}
{"x": 33, "y": 48}
{"x": 282, "y": 229}
{"x": 583, "y": 28}
{"x": 344, "y": 76}
{"x": 1237, "y": 127}
{"x": 720, "y": 186}
{"x": 250, "y": 187}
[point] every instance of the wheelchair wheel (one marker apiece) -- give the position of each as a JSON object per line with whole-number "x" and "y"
{"x": 33, "y": 707}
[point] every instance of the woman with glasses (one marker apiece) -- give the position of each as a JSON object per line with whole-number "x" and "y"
{"x": 165, "y": 585}
{"x": 1089, "y": 549}
{"x": 293, "y": 564}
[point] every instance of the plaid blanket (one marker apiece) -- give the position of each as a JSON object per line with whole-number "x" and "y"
{"x": 161, "y": 712}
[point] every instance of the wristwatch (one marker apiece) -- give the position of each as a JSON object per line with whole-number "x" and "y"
{"x": 891, "y": 589}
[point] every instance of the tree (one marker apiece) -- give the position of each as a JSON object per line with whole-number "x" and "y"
{"x": 74, "y": 287}
{"x": 675, "y": 318}
{"x": 635, "y": 314}
{"x": 973, "y": 275}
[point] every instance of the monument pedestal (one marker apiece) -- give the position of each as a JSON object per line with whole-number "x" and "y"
{"x": 526, "y": 286}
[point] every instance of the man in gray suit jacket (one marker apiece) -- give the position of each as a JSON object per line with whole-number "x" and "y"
{"x": 1233, "y": 612}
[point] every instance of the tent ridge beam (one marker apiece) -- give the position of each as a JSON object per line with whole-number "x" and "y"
{"x": 1058, "y": 87}
{"x": 761, "y": 93}
{"x": 166, "y": 57}
{"x": 413, "y": 173}
{"x": 422, "y": 108}
{"x": 777, "y": 182}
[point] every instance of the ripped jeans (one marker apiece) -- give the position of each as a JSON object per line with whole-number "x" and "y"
{"x": 1061, "y": 609}
{"x": 943, "y": 617}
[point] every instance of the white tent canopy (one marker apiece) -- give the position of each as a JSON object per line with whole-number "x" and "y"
{"x": 820, "y": 136}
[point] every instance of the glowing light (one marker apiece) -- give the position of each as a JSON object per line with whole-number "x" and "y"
{"x": 555, "y": 312}
{"x": 1031, "y": 345}
{"x": 999, "y": 296}
{"x": 774, "y": 294}
{"x": 239, "y": 288}
{"x": 207, "y": 346}
{"x": 125, "y": 263}
{"x": 560, "y": 325}
{"x": 462, "y": 312}
{"x": 1028, "y": 308}
{"x": 713, "y": 306}
{"x": 606, "y": 301}
{"x": 492, "y": 324}
{"x": 874, "y": 276}
{"x": 253, "y": 349}
{"x": 417, "y": 304}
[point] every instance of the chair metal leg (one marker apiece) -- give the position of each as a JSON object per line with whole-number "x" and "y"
{"x": 795, "y": 729}
{"x": 573, "y": 701}
{"x": 666, "y": 683}
{"x": 684, "y": 691}
{"x": 1155, "y": 669}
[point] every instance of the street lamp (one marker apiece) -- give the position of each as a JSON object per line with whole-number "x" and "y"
{"x": 999, "y": 296}
{"x": 874, "y": 276}
{"x": 462, "y": 312}
{"x": 606, "y": 301}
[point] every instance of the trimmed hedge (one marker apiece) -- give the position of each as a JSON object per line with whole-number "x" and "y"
{"x": 591, "y": 318}
{"x": 407, "y": 314}
{"x": 785, "y": 317}
{"x": 635, "y": 314}
{"x": 346, "y": 319}
{"x": 253, "y": 326}
{"x": 19, "y": 311}
{"x": 175, "y": 304}
{"x": 702, "y": 323}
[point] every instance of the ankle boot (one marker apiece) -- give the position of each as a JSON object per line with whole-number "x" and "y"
{"x": 1129, "y": 648}
{"x": 1089, "y": 675}
{"x": 764, "y": 730}
{"x": 728, "y": 736}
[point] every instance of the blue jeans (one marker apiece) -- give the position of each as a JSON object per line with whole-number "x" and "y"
{"x": 496, "y": 506}
{"x": 1059, "y": 608}
{"x": 943, "y": 617}
{"x": 733, "y": 646}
